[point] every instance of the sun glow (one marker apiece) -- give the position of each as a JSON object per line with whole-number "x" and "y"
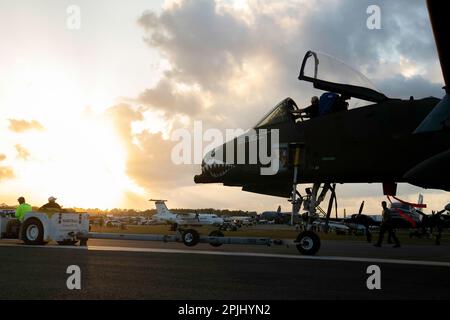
{"x": 79, "y": 157}
{"x": 80, "y": 161}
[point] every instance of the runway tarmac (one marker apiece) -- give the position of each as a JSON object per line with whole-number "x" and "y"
{"x": 116, "y": 269}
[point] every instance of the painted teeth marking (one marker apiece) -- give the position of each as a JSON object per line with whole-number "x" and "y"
{"x": 216, "y": 169}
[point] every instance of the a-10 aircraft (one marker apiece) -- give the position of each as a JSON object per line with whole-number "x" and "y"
{"x": 361, "y": 145}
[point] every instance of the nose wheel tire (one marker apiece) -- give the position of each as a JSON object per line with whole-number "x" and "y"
{"x": 190, "y": 237}
{"x": 33, "y": 232}
{"x": 308, "y": 243}
{"x": 216, "y": 233}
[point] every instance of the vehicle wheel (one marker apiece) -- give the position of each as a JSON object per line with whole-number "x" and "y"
{"x": 308, "y": 243}
{"x": 33, "y": 232}
{"x": 216, "y": 233}
{"x": 190, "y": 237}
{"x": 67, "y": 242}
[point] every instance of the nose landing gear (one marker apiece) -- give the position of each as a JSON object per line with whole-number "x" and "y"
{"x": 308, "y": 242}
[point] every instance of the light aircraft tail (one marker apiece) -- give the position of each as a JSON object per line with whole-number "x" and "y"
{"x": 161, "y": 208}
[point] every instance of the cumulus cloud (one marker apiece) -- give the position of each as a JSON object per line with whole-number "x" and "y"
{"x": 151, "y": 166}
{"x": 399, "y": 86}
{"x": 202, "y": 45}
{"x": 6, "y": 173}
{"x": 165, "y": 96}
{"x": 149, "y": 161}
{"x": 22, "y": 152}
{"x": 23, "y": 125}
{"x": 124, "y": 115}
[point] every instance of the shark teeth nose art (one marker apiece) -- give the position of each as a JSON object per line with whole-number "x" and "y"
{"x": 216, "y": 169}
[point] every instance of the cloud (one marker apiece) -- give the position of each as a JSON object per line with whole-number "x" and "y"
{"x": 123, "y": 116}
{"x": 6, "y": 173}
{"x": 2, "y": 157}
{"x": 150, "y": 164}
{"x": 202, "y": 45}
{"x": 399, "y": 86}
{"x": 23, "y": 125}
{"x": 172, "y": 100}
{"x": 148, "y": 161}
{"x": 22, "y": 152}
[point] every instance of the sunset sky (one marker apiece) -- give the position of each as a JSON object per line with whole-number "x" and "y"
{"x": 87, "y": 113}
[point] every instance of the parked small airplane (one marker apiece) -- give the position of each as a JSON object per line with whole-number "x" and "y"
{"x": 336, "y": 226}
{"x": 243, "y": 220}
{"x": 405, "y": 215}
{"x": 163, "y": 214}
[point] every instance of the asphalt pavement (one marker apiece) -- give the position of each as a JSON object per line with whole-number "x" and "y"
{"x": 152, "y": 270}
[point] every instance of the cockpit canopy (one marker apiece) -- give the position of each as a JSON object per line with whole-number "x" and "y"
{"x": 281, "y": 113}
{"x": 329, "y": 74}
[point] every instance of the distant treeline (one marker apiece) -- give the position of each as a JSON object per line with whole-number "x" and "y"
{"x": 150, "y": 212}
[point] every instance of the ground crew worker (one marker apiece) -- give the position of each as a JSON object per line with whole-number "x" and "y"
{"x": 386, "y": 225}
{"x": 22, "y": 209}
{"x": 51, "y": 204}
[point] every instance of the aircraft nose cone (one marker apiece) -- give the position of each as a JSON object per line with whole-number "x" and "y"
{"x": 206, "y": 178}
{"x": 198, "y": 178}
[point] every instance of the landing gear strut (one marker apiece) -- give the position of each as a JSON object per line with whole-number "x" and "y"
{"x": 308, "y": 242}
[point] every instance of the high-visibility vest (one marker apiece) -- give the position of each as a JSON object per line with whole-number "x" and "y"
{"x": 22, "y": 209}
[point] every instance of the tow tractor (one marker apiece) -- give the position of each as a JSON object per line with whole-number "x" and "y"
{"x": 39, "y": 228}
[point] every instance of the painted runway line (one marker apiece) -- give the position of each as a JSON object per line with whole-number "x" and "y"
{"x": 243, "y": 254}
